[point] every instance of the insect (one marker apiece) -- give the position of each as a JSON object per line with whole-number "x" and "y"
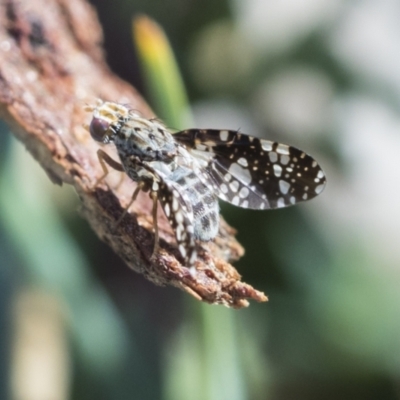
{"x": 188, "y": 171}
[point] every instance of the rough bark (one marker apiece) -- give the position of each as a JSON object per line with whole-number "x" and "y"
{"x": 51, "y": 64}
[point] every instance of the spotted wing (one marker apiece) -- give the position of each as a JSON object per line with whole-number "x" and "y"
{"x": 178, "y": 210}
{"x": 254, "y": 173}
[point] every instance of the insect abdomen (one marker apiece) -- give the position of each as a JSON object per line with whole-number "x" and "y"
{"x": 206, "y": 215}
{"x": 204, "y": 204}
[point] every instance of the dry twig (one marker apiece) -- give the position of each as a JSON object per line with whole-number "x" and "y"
{"x": 51, "y": 64}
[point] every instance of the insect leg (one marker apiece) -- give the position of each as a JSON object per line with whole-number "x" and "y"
{"x": 105, "y": 159}
{"x": 154, "y": 196}
{"x": 133, "y": 198}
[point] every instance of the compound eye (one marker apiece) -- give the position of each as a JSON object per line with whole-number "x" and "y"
{"x": 98, "y": 129}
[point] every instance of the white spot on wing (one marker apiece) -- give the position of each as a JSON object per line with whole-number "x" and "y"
{"x": 178, "y": 233}
{"x": 175, "y": 204}
{"x": 223, "y": 135}
{"x": 182, "y": 250}
{"x": 244, "y": 192}
{"x": 285, "y": 159}
{"x": 234, "y": 186}
{"x": 179, "y": 217}
{"x": 224, "y": 188}
{"x": 281, "y": 202}
{"x": 243, "y": 162}
{"x": 245, "y": 204}
{"x": 240, "y": 173}
{"x": 167, "y": 210}
{"x": 273, "y": 157}
{"x": 277, "y": 170}
{"x": 282, "y": 149}
{"x": 284, "y": 186}
{"x": 266, "y": 145}
{"x": 235, "y": 201}
{"x": 222, "y": 197}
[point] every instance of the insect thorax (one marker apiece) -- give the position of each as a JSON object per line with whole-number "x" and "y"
{"x": 148, "y": 142}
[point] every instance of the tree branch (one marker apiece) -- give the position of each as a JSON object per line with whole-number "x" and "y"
{"x": 51, "y": 64}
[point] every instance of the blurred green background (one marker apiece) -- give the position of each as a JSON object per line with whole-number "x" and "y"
{"x": 322, "y": 75}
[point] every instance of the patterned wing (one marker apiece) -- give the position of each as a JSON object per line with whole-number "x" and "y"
{"x": 178, "y": 210}
{"x": 254, "y": 173}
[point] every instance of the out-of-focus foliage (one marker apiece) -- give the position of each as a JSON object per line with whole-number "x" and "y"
{"x": 162, "y": 74}
{"x": 322, "y": 75}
